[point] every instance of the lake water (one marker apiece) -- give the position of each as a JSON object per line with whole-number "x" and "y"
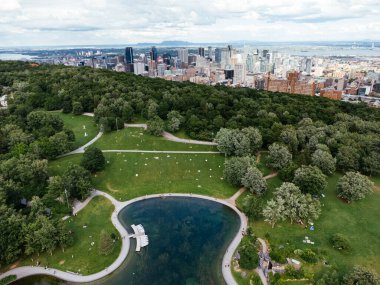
{"x": 187, "y": 240}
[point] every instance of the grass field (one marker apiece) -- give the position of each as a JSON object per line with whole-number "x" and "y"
{"x": 358, "y": 221}
{"x": 262, "y": 165}
{"x": 136, "y": 138}
{"x": 76, "y": 124}
{"x": 129, "y": 175}
{"x": 82, "y": 257}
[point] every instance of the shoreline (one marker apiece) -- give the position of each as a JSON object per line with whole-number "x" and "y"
{"x": 26, "y": 271}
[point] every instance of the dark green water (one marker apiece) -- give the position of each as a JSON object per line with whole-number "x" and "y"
{"x": 187, "y": 240}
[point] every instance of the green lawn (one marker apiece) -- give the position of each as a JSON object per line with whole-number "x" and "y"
{"x": 82, "y": 257}
{"x": 137, "y": 138}
{"x": 156, "y": 173}
{"x": 76, "y": 124}
{"x": 358, "y": 221}
{"x": 262, "y": 165}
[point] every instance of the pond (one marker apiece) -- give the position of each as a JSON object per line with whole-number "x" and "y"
{"x": 187, "y": 240}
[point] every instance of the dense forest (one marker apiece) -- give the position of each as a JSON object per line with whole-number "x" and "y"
{"x": 299, "y": 130}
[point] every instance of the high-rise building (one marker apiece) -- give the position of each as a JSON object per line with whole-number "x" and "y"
{"x": 249, "y": 62}
{"x": 308, "y": 66}
{"x": 210, "y": 52}
{"x": 183, "y": 57}
{"x": 153, "y": 53}
{"x": 128, "y": 57}
{"x": 239, "y": 73}
{"x": 139, "y": 68}
{"x": 218, "y": 55}
{"x": 201, "y": 51}
{"x": 161, "y": 69}
{"x": 167, "y": 58}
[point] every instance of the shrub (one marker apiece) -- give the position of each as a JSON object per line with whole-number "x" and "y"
{"x": 309, "y": 256}
{"x": 340, "y": 242}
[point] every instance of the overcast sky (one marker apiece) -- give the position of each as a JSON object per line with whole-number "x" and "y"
{"x": 69, "y": 22}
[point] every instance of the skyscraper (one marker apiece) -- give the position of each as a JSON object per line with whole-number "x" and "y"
{"x": 183, "y": 56}
{"x": 153, "y": 53}
{"x": 218, "y": 55}
{"x": 210, "y": 52}
{"x": 201, "y": 51}
{"x": 128, "y": 57}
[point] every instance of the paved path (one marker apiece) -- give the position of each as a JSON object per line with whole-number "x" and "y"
{"x": 25, "y": 271}
{"x": 274, "y": 174}
{"x": 161, "y": 151}
{"x": 171, "y": 137}
{"x": 82, "y": 148}
{"x": 232, "y": 199}
{"x": 264, "y": 248}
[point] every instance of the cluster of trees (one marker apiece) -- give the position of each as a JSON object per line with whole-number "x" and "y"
{"x": 235, "y": 142}
{"x": 290, "y": 203}
{"x": 243, "y": 171}
{"x": 357, "y": 275}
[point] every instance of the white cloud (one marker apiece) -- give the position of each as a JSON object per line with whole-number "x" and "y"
{"x": 31, "y": 22}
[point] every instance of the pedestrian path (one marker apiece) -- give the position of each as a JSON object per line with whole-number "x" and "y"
{"x": 25, "y": 271}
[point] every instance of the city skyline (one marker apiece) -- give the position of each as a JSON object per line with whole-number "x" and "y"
{"x": 43, "y": 22}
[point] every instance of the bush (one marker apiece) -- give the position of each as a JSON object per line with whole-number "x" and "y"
{"x": 309, "y": 256}
{"x": 249, "y": 258}
{"x": 291, "y": 272}
{"x": 340, "y": 242}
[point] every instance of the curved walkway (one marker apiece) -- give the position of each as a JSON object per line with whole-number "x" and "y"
{"x": 82, "y": 148}
{"x": 171, "y": 137}
{"x": 25, "y": 271}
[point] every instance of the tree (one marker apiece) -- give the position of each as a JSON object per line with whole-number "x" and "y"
{"x": 371, "y": 163}
{"x": 289, "y": 137}
{"x": 252, "y": 207}
{"x": 224, "y": 139}
{"x": 155, "y": 126}
{"x": 106, "y": 243}
{"x": 40, "y": 236}
{"x": 254, "y": 137}
{"x": 347, "y": 158}
{"x": 274, "y": 211}
{"x": 77, "y": 181}
{"x": 331, "y": 277}
{"x": 310, "y": 179}
{"x": 354, "y": 186}
{"x": 235, "y": 168}
{"x": 11, "y": 234}
{"x": 289, "y": 202}
{"x": 324, "y": 161}
{"x": 249, "y": 258}
{"x": 287, "y": 172}
{"x": 279, "y": 156}
{"x": 44, "y": 124}
{"x": 360, "y": 276}
{"x": 253, "y": 180}
{"x": 93, "y": 159}
{"x": 77, "y": 108}
{"x": 174, "y": 121}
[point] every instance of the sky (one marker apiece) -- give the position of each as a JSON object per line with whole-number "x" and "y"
{"x": 90, "y": 22}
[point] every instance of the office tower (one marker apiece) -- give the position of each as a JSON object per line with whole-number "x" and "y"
{"x": 128, "y": 57}
{"x": 239, "y": 73}
{"x": 249, "y": 62}
{"x": 167, "y": 58}
{"x": 225, "y": 57}
{"x": 161, "y": 69}
{"x": 153, "y": 53}
{"x": 218, "y": 55}
{"x": 265, "y": 52}
{"x": 308, "y": 66}
{"x": 210, "y": 52}
{"x": 201, "y": 51}
{"x": 139, "y": 68}
{"x": 183, "y": 57}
